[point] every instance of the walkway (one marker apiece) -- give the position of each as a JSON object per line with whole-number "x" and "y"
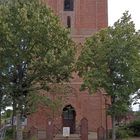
{"x": 138, "y": 138}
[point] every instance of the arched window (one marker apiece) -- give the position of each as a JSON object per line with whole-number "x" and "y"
{"x": 68, "y": 112}
{"x": 68, "y": 22}
{"x": 69, "y": 118}
{"x": 68, "y": 5}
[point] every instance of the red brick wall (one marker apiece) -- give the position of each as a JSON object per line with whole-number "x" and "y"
{"x": 91, "y": 107}
{"x": 86, "y": 14}
{"x": 88, "y": 17}
{"x": 102, "y": 14}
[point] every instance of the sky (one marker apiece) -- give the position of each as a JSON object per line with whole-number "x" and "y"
{"x": 117, "y": 7}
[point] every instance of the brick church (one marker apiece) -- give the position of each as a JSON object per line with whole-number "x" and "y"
{"x": 83, "y": 18}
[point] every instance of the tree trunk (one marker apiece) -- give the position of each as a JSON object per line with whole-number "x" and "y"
{"x": 13, "y": 119}
{"x": 0, "y": 117}
{"x": 113, "y": 128}
{"x": 14, "y": 111}
{"x": 19, "y": 135}
{"x": 0, "y": 110}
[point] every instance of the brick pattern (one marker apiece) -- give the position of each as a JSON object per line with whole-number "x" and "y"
{"x": 88, "y": 17}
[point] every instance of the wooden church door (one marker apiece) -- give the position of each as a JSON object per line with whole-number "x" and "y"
{"x": 68, "y": 118}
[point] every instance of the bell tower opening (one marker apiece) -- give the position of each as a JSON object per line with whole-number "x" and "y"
{"x": 68, "y": 118}
{"x": 68, "y": 5}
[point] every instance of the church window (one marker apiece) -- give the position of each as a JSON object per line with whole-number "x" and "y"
{"x": 68, "y": 112}
{"x": 68, "y": 5}
{"x": 68, "y": 22}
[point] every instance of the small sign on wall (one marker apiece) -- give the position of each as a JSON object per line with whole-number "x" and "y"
{"x": 66, "y": 131}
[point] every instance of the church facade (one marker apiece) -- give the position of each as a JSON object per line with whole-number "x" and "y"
{"x": 83, "y": 18}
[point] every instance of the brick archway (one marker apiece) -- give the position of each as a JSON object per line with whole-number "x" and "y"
{"x": 69, "y": 117}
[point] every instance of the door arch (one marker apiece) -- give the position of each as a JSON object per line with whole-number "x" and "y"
{"x": 68, "y": 118}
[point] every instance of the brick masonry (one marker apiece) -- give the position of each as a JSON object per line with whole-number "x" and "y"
{"x": 88, "y": 17}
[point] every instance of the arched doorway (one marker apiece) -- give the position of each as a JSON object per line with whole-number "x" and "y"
{"x": 68, "y": 118}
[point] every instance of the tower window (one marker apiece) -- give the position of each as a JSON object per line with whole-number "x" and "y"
{"x": 68, "y": 5}
{"x": 68, "y": 22}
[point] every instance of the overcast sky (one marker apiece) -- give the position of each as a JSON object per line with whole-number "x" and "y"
{"x": 117, "y": 7}
{"x": 115, "y": 10}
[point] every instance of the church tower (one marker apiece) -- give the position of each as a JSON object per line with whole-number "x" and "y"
{"x": 82, "y": 17}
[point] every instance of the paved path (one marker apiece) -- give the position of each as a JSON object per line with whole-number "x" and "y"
{"x": 134, "y": 138}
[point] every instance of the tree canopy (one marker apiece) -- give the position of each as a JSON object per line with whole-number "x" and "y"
{"x": 110, "y": 60}
{"x": 34, "y": 46}
{"x": 35, "y": 49}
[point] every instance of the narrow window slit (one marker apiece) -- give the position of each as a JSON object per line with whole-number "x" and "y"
{"x": 68, "y": 22}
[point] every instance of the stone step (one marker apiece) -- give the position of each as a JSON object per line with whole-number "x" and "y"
{"x": 71, "y": 137}
{"x": 91, "y": 136}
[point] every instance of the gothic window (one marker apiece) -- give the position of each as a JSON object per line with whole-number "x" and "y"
{"x": 68, "y": 22}
{"x": 68, "y": 5}
{"x": 68, "y": 113}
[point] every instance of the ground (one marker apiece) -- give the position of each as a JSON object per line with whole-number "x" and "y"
{"x": 138, "y": 138}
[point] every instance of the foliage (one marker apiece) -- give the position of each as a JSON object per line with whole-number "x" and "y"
{"x": 122, "y": 132}
{"x": 137, "y": 113}
{"x": 9, "y": 133}
{"x": 110, "y": 60}
{"x": 6, "y": 117}
{"x": 135, "y": 127}
{"x": 35, "y": 51}
{"x": 7, "y": 113}
{"x": 5, "y": 99}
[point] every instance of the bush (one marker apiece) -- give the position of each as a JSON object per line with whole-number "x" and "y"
{"x": 122, "y": 132}
{"x": 9, "y": 134}
{"x": 135, "y": 128}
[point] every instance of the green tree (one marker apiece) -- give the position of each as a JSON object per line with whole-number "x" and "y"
{"x": 110, "y": 60}
{"x": 36, "y": 49}
{"x": 5, "y": 99}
